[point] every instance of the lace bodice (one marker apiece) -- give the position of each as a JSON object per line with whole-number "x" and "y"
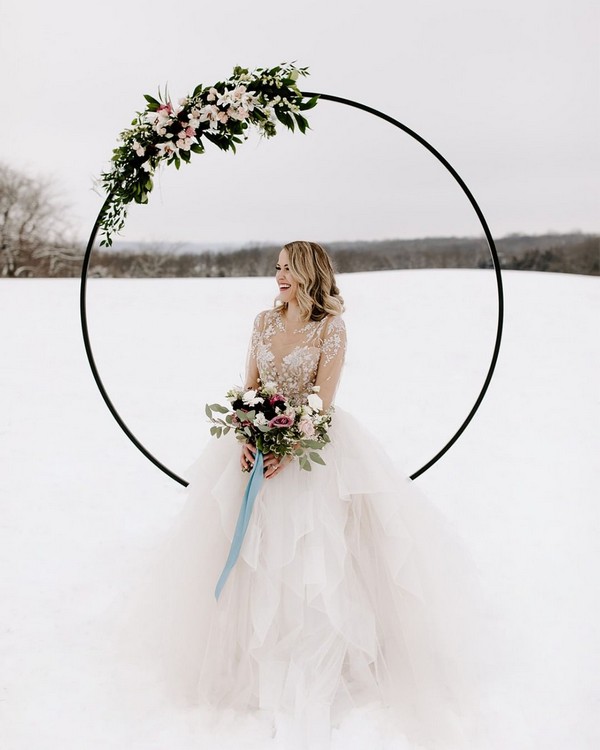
{"x": 295, "y": 360}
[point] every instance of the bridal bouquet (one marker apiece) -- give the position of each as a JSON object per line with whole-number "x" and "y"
{"x": 266, "y": 419}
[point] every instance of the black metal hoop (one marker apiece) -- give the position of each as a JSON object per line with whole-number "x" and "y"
{"x": 491, "y": 246}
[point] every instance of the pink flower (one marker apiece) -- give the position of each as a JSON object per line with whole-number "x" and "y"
{"x": 276, "y": 397}
{"x": 282, "y": 420}
{"x": 306, "y": 427}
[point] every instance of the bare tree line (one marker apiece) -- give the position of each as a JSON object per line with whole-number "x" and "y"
{"x": 34, "y": 233}
{"x": 36, "y": 240}
{"x": 559, "y": 253}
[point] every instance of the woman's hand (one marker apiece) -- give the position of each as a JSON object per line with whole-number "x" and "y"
{"x": 274, "y": 465}
{"x": 247, "y": 456}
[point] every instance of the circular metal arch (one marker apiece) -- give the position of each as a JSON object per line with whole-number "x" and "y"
{"x": 491, "y": 246}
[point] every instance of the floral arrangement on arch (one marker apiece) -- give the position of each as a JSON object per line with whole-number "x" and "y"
{"x": 220, "y": 114}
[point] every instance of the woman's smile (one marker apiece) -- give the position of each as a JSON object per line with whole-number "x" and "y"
{"x": 284, "y": 278}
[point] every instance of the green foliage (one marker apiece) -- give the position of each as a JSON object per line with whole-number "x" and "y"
{"x": 218, "y": 407}
{"x": 152, "y": 102}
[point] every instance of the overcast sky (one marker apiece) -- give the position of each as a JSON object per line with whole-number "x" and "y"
{"x": 507, "y": 91}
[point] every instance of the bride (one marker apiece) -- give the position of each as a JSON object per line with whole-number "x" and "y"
{"x": 350, "y": 593}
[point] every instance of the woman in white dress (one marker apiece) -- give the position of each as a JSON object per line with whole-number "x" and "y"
{"x": 350, "y": 592}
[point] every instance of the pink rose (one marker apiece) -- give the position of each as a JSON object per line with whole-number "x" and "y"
{"x": 282, "y": 420}
{"x": 276, "y": 397}
{"x": 306, "y": 427}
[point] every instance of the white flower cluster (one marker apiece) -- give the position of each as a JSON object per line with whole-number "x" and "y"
{"x": 234, "y": 103}
{"x": 315, "y": 403}
{"x": 251, "y": 399}
{"x": 238, "y": 101}
{"x": 160, "y": 121}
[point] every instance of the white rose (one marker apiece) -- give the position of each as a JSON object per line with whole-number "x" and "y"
{"x": 306, "y": 427}
{"x": 251, "y": 399}
{"x": 315, "y": 402}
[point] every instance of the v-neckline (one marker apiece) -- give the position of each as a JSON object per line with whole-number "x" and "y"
{"x": 294, "y": 331}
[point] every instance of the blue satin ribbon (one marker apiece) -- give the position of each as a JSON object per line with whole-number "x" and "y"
{"x": 252, "y": 488}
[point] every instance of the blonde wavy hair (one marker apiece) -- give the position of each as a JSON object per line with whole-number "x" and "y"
{"x": 317, "y": 293}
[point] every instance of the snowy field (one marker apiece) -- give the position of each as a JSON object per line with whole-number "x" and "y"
{"x": 80, "y": 504}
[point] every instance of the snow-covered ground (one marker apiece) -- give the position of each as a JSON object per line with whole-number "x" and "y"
{"x": 80, "y": 504}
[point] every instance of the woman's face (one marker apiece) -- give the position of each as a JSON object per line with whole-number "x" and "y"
{"x": 285, "y": 281}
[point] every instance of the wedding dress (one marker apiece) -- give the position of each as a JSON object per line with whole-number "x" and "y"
{"x": 351, "y": 591}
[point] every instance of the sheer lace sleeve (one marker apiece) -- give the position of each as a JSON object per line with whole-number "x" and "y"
{"x": 252, "y": 377}
{"x": 333, "y": 354}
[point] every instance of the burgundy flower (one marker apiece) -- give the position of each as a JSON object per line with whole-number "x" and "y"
{"x": 281, "y": 420}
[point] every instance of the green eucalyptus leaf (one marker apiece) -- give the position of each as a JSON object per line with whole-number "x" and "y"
{"x": 219, "y": 408}
{"x": 312, "y": 444}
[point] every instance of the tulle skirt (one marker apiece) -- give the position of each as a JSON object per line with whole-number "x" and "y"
{"x": 351, "y": 593}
